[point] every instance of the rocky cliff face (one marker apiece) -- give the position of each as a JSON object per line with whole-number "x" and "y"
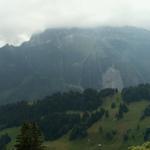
{"x": 64, "y": 59}
{"x": 112, "y": 79}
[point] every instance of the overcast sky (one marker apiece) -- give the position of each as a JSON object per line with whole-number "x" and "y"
{"x": 21, "y": 18}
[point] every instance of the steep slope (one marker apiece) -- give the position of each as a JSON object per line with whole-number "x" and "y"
{"x": 63, "y": 59}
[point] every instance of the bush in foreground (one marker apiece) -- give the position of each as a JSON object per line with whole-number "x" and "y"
{"x": 145, "y": 146}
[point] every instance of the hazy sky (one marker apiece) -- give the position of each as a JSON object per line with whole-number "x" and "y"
{"x": 21, "y": 18}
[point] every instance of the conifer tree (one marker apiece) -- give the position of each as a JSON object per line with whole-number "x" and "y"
{"x": 37, "y": 137}
{"x": 30, "y": 138}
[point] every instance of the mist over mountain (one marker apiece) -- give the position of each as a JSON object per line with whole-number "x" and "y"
{"x": 74, "y": 59}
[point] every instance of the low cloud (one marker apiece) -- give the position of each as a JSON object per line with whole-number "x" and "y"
{"x": 21, "y": 18}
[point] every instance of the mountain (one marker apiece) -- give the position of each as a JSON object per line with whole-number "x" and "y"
{"x": 74, "y": 58}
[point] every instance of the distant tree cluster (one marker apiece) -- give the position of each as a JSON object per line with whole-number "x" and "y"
{"x": 137, "y": 93}
{"x": 108, "y": 92}
{"x": 146, "y": 112}
{"x": 122, "y": 109}
{"x": 52, "y": 112}
{"x": 113, "y": 105}
{"x": 109, "y": 135}
{"x": 57, "y": 124}
{"x": 80, "y": 130}
{"x": 125, "y": 137}
{"x": 147, "y": 135}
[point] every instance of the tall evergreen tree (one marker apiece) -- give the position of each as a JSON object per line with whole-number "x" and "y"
{"x": 30, "y": 138}
{"x": 37, "y": 137}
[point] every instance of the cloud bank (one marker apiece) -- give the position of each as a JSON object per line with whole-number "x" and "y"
{"x": 21, "y": 18}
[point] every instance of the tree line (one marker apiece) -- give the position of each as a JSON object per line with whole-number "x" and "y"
{"x": 58, "y": 113}
{"x": 136, "y": 93}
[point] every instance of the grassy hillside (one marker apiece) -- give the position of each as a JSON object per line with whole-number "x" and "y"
{"x": 130, "y": 124}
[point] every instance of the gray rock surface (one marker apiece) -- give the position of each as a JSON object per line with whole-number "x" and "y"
{"x": 64, "y": 59}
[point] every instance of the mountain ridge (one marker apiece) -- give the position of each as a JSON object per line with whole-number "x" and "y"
{"x": 74, "y": 59}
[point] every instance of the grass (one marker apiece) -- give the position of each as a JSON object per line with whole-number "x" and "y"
{"x": 128, "y": 123}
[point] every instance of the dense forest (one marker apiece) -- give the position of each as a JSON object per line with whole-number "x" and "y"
{"x": 55, "y": 113}
{"x": 137, "y": 93}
